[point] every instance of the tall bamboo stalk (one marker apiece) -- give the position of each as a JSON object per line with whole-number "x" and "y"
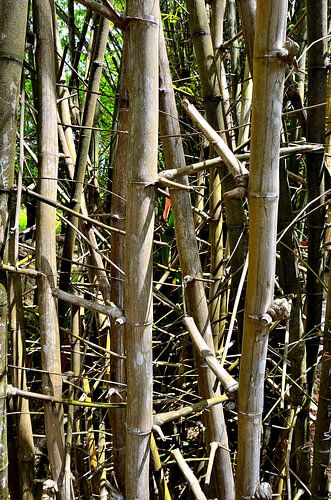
{"x": 118, "y": 208}
{"x": 317, "y": 13}
{"x": 142, "y": 153}
{"x": 263, "y": 189}
{"x": 13, "y": 17}
{"x": 82, "y": 153}
{"x": 46, "y": 238}
{"x": 25, "y": 445}
{"x": 190, "y": 265}
{"x": 209, "y": 71}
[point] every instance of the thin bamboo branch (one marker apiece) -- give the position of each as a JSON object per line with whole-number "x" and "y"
{"x": 106, "y": 11}
{"x": 189, "y": 475}
{"x": 109, "y": 310}
{"x": 230, "y": 160}
{"x": 162, "y": 418}
{"x": 174, "y": 173}
{"x": 229, "y": 383}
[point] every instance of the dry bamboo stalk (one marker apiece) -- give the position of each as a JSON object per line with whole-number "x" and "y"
{"x": 191, "y": 266}
{"x": 159, "y": 472}
{"x": 247, "y": 9}
{"x": 229, "y": 383}
{"x": 82, "y": 154}
{"x": 317, "y": 29}
{"x": 143, "y": 33}
{"x": 189, "y": 475}
{"x": 213, "y": 448}
{"x": 25, "y": 441}
{"x": 118, "y": 209}
{"x": 13, "y": 16}
{"x": 321, "y": 483}
{"x": 263, "y": 189}
{"x": 46, "y": 241}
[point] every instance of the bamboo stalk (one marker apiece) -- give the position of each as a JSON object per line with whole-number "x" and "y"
{"x": 317, "y": 19}
{"x": 269, "y": 73}
{"x": 143, "y": 35}
{"x": 228, "y": 157}
{"x": 118, "y": 211}
{"x": 321, "y": 483}
{"x": 17, "y": 326}
{"x": 191, "y": 266}
{"x": 108, "y": 12}
{"x": 82, "y": 155}
{"x": 13, "y": 16}
{"x": 46, "y": 242}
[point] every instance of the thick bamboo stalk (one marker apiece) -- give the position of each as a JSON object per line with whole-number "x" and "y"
{"x": 45, "y": 239}
{"x": 263, "y": 189}
{"x": 190, "y": 266}
{"x": 142, "y": 152}
{"x": 13, "y": 17}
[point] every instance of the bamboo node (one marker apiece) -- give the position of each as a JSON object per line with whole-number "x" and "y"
{"x": 146, "y": 19}
{"x": 270, "y": 196}
{"x": 136, "y": 432}
{"x": 146, "y": 323}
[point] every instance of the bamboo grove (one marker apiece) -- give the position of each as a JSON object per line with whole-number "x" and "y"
{"x": 165, "y": 295}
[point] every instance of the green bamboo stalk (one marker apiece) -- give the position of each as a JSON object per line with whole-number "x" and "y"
{"x": 143, "y": 32}
{"x": 263, "y": 189}
{"x": 13, "y": 17}
{"x": 191, "y": 266}
{"x": 46, "y": 239}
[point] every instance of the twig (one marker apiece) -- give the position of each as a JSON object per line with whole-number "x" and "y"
{"x": 109, "y": 310}
{"x": 108, "y": 12}
{"x": 229, "y": 383}
{"x": 191, "y": 478}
